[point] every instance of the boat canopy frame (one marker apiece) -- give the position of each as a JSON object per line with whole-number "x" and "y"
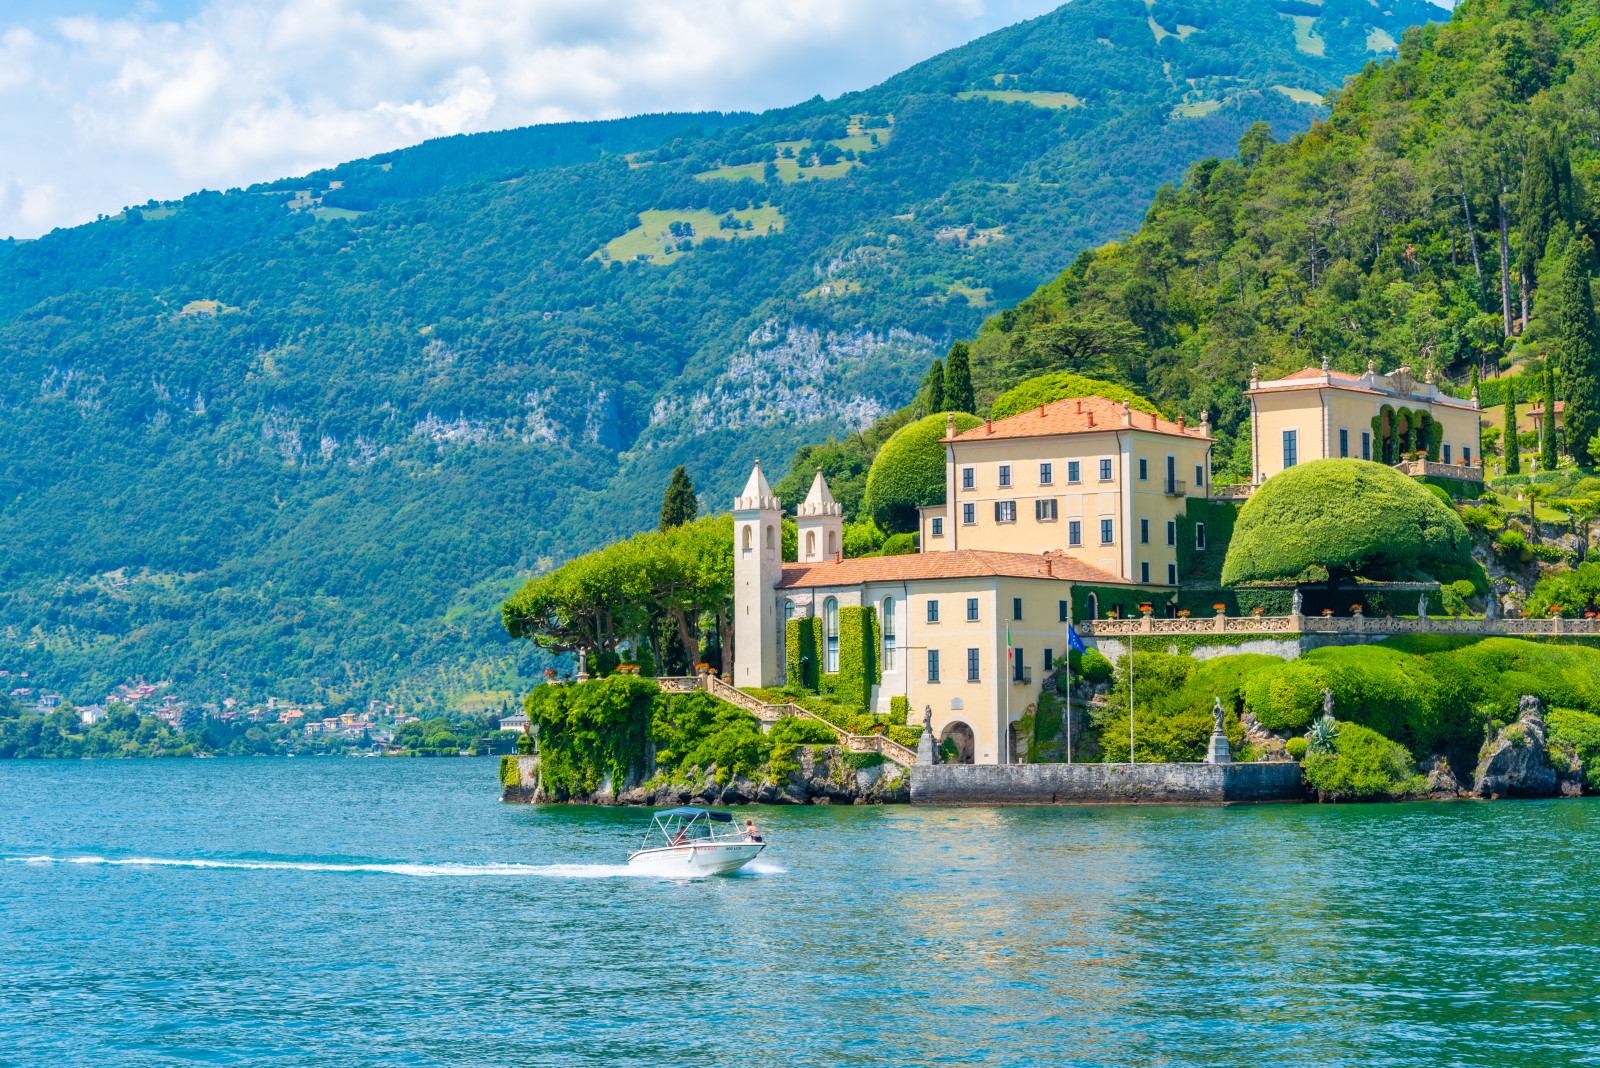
{"x": 683, "y": 826}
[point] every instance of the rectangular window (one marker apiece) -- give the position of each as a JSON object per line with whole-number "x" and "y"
{"x": 972, "y": 665}
{"x": 1172, "y": 532}
{"x": 1200, "y": 536}
{"x": 1366, "y": 444}
{"x": 972, "y": 609}
{"x": 1446, "y": 455}
{"x": 1172, "y": 574}
{"x": 1144, "y": 469}
{"x": 933, "y": 611}
{"x": 1049, "y": 659}
{"x": 1291, "y": 447}
{"x": 1144, "y": 532}
{"x": 1199, "y": 476}
{"x": 1144, "y": 572}
{"x": 967, "y": 478}
{"x": 1005, "y": 511}
{"x": 1344, "y": 443}
{"x": 1005, "y": 475}
{"x": 1045, "y": 510}
{"x": 969, "y": 514}
{"x": 1074, "y": 532}
{"x": 1466, "y": 455}
{"x": 938, "y": 526}
{"x": 1016, "y": 608}
{"x": 1107, "y": 531}
{"x": 1065, "y": 608}
{"x": 1016, "y": 665}
{"x": 1046, "y": 474}
{"x": 933, "y": 665}
{"x": 1105, "y": 470}
{"x": 1073, "y": 471}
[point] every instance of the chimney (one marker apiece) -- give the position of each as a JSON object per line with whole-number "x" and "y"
{"x": 1041, "y": 411}
{"x": 988, "y": 425}
{"x": 1049, "y": 568}
{"x": 949, "y": 424}
{"x": 1091, "y": 418}
{"x": 1127, "y": 414}
{"x": 1080, "y": 405}
{"x": 1180, "y": 424}
{"x": 1155, "y": 421}
{"x": 836, "y": 555}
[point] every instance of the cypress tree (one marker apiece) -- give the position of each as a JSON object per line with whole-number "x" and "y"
{"x": 1547, "y": 440}
{"x": 678, "y": 505}
{"x": 958, "y": 381}
{"x": 1508, "y": 445}
{"x": 1577, "y": 351}
{"x": 936, "y": 388}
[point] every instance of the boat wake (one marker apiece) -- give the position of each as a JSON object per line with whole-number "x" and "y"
{"x": 419, "y": 871}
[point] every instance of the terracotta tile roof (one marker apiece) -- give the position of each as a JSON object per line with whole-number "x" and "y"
{"x": 1079, "y": 415}
{"x": 961, "y": 563}
{"x": 1311, "y": 378}
{"x": 1561, "y": 406}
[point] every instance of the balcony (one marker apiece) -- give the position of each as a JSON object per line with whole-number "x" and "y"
{"x": 1174, "y": 488}
{"x": 1237, "y": 492}
{"x": 1418, "y": 468}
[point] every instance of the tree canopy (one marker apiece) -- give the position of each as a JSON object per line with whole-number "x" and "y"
{"x": 909, "y": 471}
{"x": 1345, "y": 517}
{"x": 1062, "y": 386}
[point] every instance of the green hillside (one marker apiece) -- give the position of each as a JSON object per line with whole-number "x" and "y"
{"x": 303, "y": 437}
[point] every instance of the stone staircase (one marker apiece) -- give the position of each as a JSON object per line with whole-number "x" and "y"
{"x": 769, "y": 713}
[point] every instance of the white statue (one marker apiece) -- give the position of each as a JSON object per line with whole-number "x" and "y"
{"x": 1297, "y": 603}
{"x": 1216, "y": 715}
{"x": 1422, "y": 606}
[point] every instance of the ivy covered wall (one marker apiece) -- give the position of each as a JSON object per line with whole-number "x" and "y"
{"x": 858, "y": 656}
{"x": 801, "y": 641}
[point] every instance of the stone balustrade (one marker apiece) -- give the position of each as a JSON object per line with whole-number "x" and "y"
{"x": 1463, "y": 472}
{"x": 1294, "y": 625}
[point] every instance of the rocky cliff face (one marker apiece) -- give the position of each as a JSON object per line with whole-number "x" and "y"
{"x": 1515, "y": 763}
{"x": 825, "y": 776}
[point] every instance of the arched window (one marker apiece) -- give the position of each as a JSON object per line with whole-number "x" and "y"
{"x": 811, "y": 544}
{"x": 830, "y": 624}
{"x": 832, "y": 546}
{"x": 1094, "y": 607}
{"x": 888, "y": 634}
{"x": 788, "y": 610}
{"x": 748, "y": 537}
{"x": 769, "y": 537}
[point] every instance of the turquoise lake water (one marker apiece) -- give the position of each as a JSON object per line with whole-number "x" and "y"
{"x": 367, "y": 912}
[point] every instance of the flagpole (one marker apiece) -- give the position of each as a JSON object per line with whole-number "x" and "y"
{"x": 1132, "y": 757}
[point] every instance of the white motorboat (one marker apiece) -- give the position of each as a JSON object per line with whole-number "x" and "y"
{"x": 694, "y": 841}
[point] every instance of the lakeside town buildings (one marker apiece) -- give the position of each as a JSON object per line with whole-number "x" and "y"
{"x": 1046, "y": 514}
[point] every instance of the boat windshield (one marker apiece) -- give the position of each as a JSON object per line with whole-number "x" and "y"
{"x": 681, "y": 825}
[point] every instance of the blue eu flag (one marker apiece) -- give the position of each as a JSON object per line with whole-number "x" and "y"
{"x": 1074, "y": 642}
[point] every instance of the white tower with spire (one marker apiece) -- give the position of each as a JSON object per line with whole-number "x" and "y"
{"x": 757, "y": 566}
{"x": 821, "y": 522}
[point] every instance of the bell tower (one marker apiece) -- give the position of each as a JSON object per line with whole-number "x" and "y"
{"x": 821, "y": 523}
{"x": 757, "y": 567}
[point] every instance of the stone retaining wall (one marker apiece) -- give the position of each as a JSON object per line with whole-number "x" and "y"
{"x": 1105, "y": 784}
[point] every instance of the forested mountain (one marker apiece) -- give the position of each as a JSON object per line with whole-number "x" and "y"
{"x": 305, "y": 436}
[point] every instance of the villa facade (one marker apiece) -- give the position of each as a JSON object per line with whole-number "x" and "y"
{"x": 1044, "y": 513}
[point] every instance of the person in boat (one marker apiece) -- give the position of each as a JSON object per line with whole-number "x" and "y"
{"x": 750, "y": 831}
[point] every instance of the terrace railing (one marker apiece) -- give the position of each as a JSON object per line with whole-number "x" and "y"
{"x": 1291, "y": 625}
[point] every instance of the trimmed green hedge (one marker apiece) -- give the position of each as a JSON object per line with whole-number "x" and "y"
{"x": 1062, "y": 385}
{"x": 858, "y": 656}
{"x": 909, "y": 472}
{"x": 1492, "y": 391}
{"x": 802, "y": 651}
{"x": 1363, "y": 766}
{"x": 1346, "y": 516}
{"x": 1219, "y": 518}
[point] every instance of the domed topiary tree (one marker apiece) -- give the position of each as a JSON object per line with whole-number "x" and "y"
{"x": 909, "y": 471}
{"x": 1349, "y": 517}
{"x": 1045, "y": 389}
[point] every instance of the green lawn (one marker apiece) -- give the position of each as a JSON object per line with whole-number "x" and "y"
{"x": 789, "y": 170}
{"x": 652, "y": 240}
{"x": 1304, "y": 40}
{"x": 1012, "y": 96}
{"x": 1379, "y": 41}
{"x": 1197, "y": 109}
{"x": 1163, "y": 33}
{"x": 1302, "y": 96}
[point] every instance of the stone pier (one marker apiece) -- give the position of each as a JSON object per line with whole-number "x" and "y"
{"x": 1106, "y": 784}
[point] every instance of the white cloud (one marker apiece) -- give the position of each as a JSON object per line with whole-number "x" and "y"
{"x": 98, "y": 112}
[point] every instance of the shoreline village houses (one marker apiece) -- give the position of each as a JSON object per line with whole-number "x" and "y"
{"x": 1046, "y": 515}
{"x": 1317, "y": 414}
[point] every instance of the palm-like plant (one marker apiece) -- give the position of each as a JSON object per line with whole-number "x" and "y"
{"x": 1319, "y": 739}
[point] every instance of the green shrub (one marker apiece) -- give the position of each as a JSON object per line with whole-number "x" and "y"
{"x": 1374, "y": 685}
{"x": 1345, "y": 517}
{"x": 589, "y": 731}
{"x": 697, "y": 731}
{"x": 1576, "y": 591}
{"x": 899, "y": 709}
{"x": 1173, "y": 700}
{"x": 1362, "y": 765}
{"x": 900, "y": 545}
{"x": 797, "y": 730}
{"x": 908, "y": 472}
{"x": 1296, "y": 748}
{"x": 1062, "y": 385}
{"x": 509, "y": 776}
{"x": 1576, "y": 735}
{"x": 1090, "y": 665}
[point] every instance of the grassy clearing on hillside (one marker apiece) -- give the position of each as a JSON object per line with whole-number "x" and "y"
{"x": 206, "y": 307}
{"x": 831, "y": 290}
{"x": 1197, "y": 109}
{"x": 1379, "y": 41}
{"x": 1302, "y": 96}
{"x": 653, "y": 239}
{"x": 1012, "y": 96}
{"x": 1304, "y": 40}
{"x": 858, "y": 139}
{"x": 1162, "y": 33}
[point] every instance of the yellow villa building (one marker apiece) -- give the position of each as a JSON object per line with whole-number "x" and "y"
{"x": 1044, "y": 514}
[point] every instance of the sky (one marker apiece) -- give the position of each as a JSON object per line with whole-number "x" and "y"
{"x": 106, "y": 103}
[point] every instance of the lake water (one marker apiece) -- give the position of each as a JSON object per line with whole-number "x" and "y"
{"x": 367, "y": 912}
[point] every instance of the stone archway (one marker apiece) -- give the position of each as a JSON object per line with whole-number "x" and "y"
{"x": 961, "y": 734}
